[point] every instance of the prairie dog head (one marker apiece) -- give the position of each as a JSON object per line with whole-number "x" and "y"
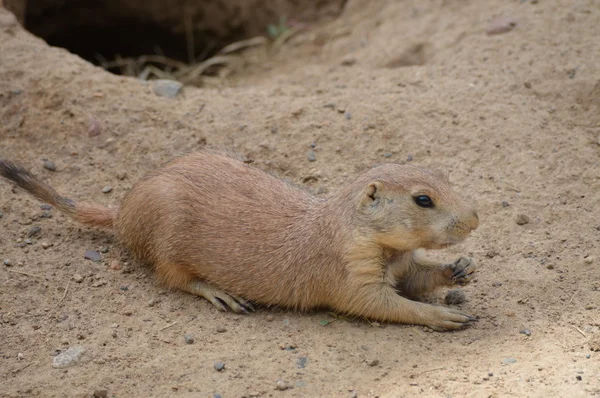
{"x": 408, "y": 207}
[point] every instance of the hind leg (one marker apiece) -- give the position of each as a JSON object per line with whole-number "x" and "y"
{"x": 177, "y": 276}
{"x": 220, "y": 299}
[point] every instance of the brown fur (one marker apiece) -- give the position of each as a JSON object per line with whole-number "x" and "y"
{"x": 217, "y": 227}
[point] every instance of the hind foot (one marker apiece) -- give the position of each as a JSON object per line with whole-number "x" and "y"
{"x": 219, "y": 298}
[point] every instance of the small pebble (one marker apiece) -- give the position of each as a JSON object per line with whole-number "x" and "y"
{"x": 526, "y": 332}
{"x": 301, "y": 362}
{"x": 311, "y": 156}
{"x": 217, "y": 395}
{"x": 455, "y": 296}
{"x": 590, "y": 307}
{"x": 49, "y": 165}
{"x": 45, "y": 206}
{"x": 270, "y": 318}
{"x": 219, "y": 366}
{"x": 69, "y": 357}
{"x": 387, "y": 155}
{"x": 329, "y": 105}
{"x": 409, "y": 158}
{"x": 348, "y": 115}
{"x": 353, "y": 394}
{"x": 490, "y": 374}
{"x": 522, "y": 219}
{"x": 505, "y": 203}
{"x": 78, "y": 278}
{"x": 189, "y": 339}
{"x": 373, "y": 362}
{"x": 115, "y": 265}
{"x": 104, "y": 249}
{"x": 281, "y": 385}
{"x": 46, "y": 245}
{"x": 20, "y": 356}
{"x": 7, "y": 262}
{"x": 509, "y": 360}
{"x": 550, "y": 266}
{"x": 92, "y": 255}
{"x": 501, "y": 25}
{"x": 588, "y": 260}
{"x": 100, "y": 393}
{"x": 106, "y": 189}
{"x": 1, "y": 214}
{"x": 221, "y": 329}
{"x": 578, "y": 377}
{"x": 121, "y": 175}
{"x": 167, "y": 88}
{"x": 34, "y": 231}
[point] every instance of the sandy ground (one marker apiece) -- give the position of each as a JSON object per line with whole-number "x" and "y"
{"x": 514, "y": 117}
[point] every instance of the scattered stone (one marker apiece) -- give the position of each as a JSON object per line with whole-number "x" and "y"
{"x": 329, "y": 105}
{"x": 301, "y": 362}
{"x": 501, "y": 25}
{"x": 387, "y": 155}
{"x": 34, "y": 231}
{"x": 526, "y": 332}
{"x": 353, "y": 394}
{"x": 124, "y": 288}
{"x": 121, "y": 175}
{"x": 274, "y": 130}
{"x": 167, "y": 88}
{"x": 311, "y": 156}
{"x": 550, "y": 266}
{"x": 217, "y": 395}
{"x": 46, "y": 214}
{"x": 100, "y": 393}
{"x": 77, "y": 278}
{"x": 106, "y": 189}
{"x": 221, "y": 329}
{"x": 128, "y": 312}
{"x": 409, "y": 158}
{"x": 99, "y": 283}
{"x": 373, "y": 362}
{"x": 115, "y": 265}
{"x": 505, "y": 203}
{"x": 281, "y": 385}
{"x": 1, "y": 214}
{"x": 219, "y": 366}
{"x": 28, "y": 242}
{"x": 189, "y": 339}
{"x": 270, "y": 318}
{"x": 348, "y": 61}
{"x": 578, "y": 377}
{"x": 490, "y": 374}
{"x": 104, "y": 249}
{"x": 509, "y": 360}
{"x": 522, "y": 219}
{"x": 92, "y": 255}
{"x": 590, "y": 307}
{"x": 7, "y": 262}
{"x": 49, "y": 165}
{"x": 45, "y": 206}
{"x": 46, "y": 245}
{"x": 20, "y": 356}
{"x": 455, "y": 296}
{"x": 348, "y": 115}
{"x": 588, "y": 260}
{"x": 496, "y": 284}
{"x": 153, "y": 302}
{"x": 69, "y": 357}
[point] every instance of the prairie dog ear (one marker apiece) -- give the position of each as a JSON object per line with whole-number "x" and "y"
{"x": 372, "y": 192}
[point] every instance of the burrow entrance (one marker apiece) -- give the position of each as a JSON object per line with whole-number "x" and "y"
{"x": 172, "y": 32}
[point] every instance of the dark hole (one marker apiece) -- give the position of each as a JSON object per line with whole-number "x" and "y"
{"x": 102, "y": 34}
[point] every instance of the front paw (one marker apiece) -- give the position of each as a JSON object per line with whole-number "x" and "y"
{"x": 461, "y": 271}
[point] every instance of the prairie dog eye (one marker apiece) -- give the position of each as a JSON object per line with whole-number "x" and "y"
{"x": 423, "y": 201}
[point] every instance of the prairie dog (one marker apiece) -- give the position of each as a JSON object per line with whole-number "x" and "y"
{"x": 216, "y": 227}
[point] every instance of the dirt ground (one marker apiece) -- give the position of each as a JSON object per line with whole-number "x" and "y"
{"x": 514, "y": 117}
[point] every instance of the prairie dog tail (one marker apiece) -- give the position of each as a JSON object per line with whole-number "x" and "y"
{"x": 92, "y": 215}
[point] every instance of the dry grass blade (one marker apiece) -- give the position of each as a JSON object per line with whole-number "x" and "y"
{"x": 253, "y": 42}
{"x": 285, "y": 36}
{"x": 24, "y": 273}
{"x": 193, "y": 72}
